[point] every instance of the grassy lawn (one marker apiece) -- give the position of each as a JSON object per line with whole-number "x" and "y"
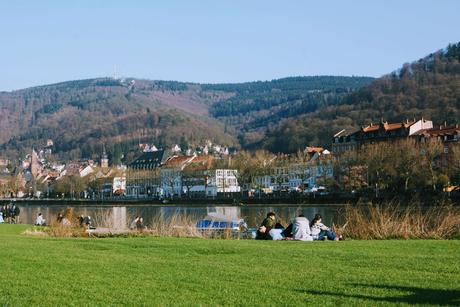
{"x": 177, "y": 271}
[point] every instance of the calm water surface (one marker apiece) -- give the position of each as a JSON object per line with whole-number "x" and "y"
{"x": 120, "y": 216}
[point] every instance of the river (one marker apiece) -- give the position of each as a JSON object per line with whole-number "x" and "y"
{"x": 120, "y": 216}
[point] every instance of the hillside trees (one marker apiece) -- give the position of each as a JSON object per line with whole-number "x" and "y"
{"x": 429, "y": 88}
{"x": 402, "y": 166}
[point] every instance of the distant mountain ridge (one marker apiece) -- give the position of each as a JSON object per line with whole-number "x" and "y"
{"x": 282, "y": 115}
{"x": 81, "y": 115}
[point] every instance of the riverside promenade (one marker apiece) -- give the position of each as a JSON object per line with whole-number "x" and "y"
{"x": 237, "y": 200}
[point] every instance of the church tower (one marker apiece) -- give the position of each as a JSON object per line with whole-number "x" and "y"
{"x": 104, "y": 158}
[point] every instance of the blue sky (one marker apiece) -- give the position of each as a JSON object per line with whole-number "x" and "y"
{"x": 216, "y": 41}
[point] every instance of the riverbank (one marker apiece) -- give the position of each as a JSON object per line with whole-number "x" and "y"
{"x": 178, "y": 271}
{"x": 180, "y": 201}
{"x": 301, "y": 201}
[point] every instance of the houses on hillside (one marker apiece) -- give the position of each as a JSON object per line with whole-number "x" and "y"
{"x": 375, "y": 133}
{"x": 420, "y": 131}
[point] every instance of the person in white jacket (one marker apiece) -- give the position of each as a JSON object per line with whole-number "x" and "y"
{"x": 301, "y": 229}
{"x": 319, "y": 231}
{"x": 40, "y": 221}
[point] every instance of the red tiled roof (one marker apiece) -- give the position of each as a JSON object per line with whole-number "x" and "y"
{"x": 371, "y": 128}
{"x": 203, "y": 158}
{"x": 200, "y": 163}
{"x": 177, "y": 161}
{"x": 388, "y": 126}
{"x": 443, "y": 130}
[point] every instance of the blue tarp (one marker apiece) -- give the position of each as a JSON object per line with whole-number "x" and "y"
{"x": 209, "y": 224}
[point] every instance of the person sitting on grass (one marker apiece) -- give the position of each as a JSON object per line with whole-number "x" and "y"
{"x": 80, "y": 220}
{"x": 40, "y": 221}
{"x": 140, "y": 224}
{"x": 267, "y": 224}
{"x": 85, "y": 221}
{"x": 133, "y": 224}
{"x": 319, "y": 231}
{"x": 301, "y": 229}
{"x": 63, "y": 220}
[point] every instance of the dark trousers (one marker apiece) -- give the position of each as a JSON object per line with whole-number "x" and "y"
{"x": 329, "y": 234}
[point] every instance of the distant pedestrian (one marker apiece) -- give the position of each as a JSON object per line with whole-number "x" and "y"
{"x": 8, "y": 214}
{"x": 16, "y": 212}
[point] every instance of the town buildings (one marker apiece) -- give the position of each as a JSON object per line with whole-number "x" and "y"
{"x": 207, "y": 171}
{"x": 298, "y": 176}
{"x": 421, "y": 131}
{"x": 378, "y": 132}
{"x": 143, "y": 174}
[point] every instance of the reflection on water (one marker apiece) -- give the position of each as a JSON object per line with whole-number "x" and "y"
{"x": 119, "y": 217}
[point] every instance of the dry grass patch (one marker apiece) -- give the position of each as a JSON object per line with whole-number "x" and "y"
{"x": 394, "y": 221}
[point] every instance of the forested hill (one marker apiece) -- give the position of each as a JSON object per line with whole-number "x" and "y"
{"x": 81, "y": 115}
{"x": 428, "y": 87}
{"x": 257, "y": 107}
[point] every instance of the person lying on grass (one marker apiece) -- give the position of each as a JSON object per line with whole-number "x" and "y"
{"x": 319, "y": 231}
{"x": 267, "y": 224}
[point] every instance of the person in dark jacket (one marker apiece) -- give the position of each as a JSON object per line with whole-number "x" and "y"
{"x": 267, "y": 224}
{"x": 15, "y": 214}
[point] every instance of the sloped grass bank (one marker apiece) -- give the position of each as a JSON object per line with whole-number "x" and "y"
{"x": 181, "y": 271}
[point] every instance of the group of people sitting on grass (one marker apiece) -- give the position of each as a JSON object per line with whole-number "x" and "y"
{"x": 9, "y": 214}
{"x": 300, "y": 229}
{"x": 64, "y": 220}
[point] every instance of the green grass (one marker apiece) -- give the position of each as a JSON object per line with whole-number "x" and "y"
{"x": 177, "y": 271}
